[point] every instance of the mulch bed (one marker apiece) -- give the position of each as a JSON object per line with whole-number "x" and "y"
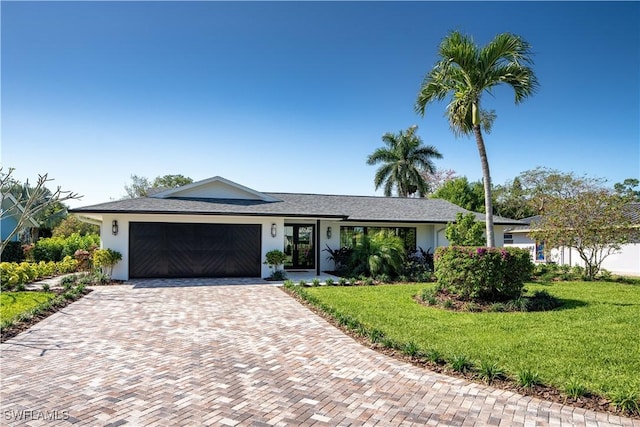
{"x": 590, "y": 402}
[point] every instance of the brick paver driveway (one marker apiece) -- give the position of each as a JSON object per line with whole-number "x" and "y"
{"x": 232, "y": 355}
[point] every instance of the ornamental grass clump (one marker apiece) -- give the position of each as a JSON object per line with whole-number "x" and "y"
{"x": 484, "y": 274}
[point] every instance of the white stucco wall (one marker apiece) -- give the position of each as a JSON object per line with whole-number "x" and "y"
{"x": 623, "y": 262}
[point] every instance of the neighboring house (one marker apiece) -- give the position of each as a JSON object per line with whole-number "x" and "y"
{"x": 10, "y": 215}
{"x": 624, "y": 262}
{"x": 217, "y": 228}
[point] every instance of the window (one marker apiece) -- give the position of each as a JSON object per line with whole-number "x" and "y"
{"x": 351, "y": 236}
{"x": 508, "y": 238}
{"x": 540, "y": 251}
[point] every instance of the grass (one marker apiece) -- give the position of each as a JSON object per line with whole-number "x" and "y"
{"x": 13, "y": 304}
{"x": 591, "y": 340}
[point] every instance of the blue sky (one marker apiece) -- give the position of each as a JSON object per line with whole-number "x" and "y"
{"x": 293, "y": 96}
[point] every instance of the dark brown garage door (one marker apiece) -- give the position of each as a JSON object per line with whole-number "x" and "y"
{"x": 194, "y": 250}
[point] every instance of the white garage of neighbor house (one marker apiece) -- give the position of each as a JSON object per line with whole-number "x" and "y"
{"x": 624, "y": 262}
{"x": 217, "y": 228}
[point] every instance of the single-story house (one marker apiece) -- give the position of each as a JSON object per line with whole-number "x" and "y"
{"x": 626, "y": 261}
{"x": 218, "y": 228}
{"x": 10, "y": 213}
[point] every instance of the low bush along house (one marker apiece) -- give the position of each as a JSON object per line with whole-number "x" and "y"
{"x": 217, "y": 228}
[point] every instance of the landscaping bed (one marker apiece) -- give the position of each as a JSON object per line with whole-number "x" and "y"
{"x": 23, "y": 309}
{"x": 583, "y": 353}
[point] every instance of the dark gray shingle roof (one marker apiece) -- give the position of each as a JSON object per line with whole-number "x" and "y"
{"x": 353, "y": 208}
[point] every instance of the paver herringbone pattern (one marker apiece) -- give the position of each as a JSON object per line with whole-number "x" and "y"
{"x": 230, "y": 356}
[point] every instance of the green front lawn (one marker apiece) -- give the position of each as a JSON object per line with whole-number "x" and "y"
{"x": 12, "y": 304}
{"x": 593, "y": 339}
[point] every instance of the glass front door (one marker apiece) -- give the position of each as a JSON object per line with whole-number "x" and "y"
{"x": 298, "y": 246}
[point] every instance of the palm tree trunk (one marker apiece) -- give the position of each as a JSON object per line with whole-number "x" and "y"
{"x": 486, "y": 177}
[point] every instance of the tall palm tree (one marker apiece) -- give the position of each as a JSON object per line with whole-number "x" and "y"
{"x": 404, "y": 160}
{"x": 465, "y": 71}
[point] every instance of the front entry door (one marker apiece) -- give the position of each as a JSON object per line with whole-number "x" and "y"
{"x": 298, "y": 246}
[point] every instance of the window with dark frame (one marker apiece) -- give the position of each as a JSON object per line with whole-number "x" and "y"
{"x": 351, "y": 236}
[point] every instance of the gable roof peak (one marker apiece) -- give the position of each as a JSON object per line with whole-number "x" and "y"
{"x": 215, "y": 187}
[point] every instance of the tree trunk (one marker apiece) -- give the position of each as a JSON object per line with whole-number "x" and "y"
{"x": 486, "y": 177}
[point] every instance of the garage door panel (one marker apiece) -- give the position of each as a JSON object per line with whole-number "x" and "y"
{"x": 194, "y": 250}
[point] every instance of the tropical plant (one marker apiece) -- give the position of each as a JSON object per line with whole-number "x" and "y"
{"x": 380, "y": 253}
{"x": 31, "y": 202}
{"x": 464, "y": 72}
{"x": 404, "y": 160}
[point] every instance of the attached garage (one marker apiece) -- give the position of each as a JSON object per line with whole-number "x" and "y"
{"x": 159, "y": 249}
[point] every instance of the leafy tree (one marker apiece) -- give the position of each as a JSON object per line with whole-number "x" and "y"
{"x": 72, "y": 224}
{"x": 460, "y": 192}
{"x": 627, "y": 188}
{"x": 595, "y": 223}
{"x": 511, "y": 201}
{"x": 47, "y": 218}
{"x": 171, "y": 181}
{"x": 141, "y": 186}
{"x": 540, "y": 185}
{"x": 404, "y": 160}
{"x": 464, "y": 72}
{"x": 465, "y": 231}
{"x": 32, "y": 202}
{"x": 438, "y": 178}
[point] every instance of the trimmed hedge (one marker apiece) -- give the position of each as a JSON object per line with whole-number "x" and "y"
{"x": 13, "y": 252}
{"x": 56, "y": 248}
{"x": 485, "y": 274}
{"x": 14, "y": 274}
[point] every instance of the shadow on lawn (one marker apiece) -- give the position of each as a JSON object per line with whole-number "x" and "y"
{"x": 569, "y": 304}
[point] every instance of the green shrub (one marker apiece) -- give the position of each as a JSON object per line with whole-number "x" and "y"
{"x": 490, "y": 372}
{"x": 274, "y": 259}
{"x": 68, "y": 280}
{"x": 411, "y": 349}
{"x": 13, "y": 252}
{"x": 48, "y": 249}
{"x": 278, "y": 275}
{"x": 329, "y": 282}
{"x": 487, "y": 274}
{"x": 56, "y": 248}
{"x": 315, "y": 281}
{"x": 528, "y": 378}
{"x": 627, "y": 401}
{"x": 461, "y": 363}
{"x": 434, "y": 356}
{"x": 465, "y": 231}
{"x": 575, "y": 389}
{"x": 375, "y": 335}
{"x": 429, "y": 296}
{"x": 106, "y": 259}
